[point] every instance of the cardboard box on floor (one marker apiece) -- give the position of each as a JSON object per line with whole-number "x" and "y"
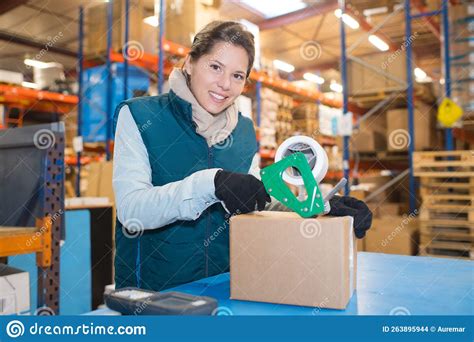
{"x": 14, "y": 290}
{"x": 393, "y": 235}
{"x": 279, "y": 257}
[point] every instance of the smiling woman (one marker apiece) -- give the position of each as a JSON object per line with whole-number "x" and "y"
{"x": 175, "y": 181}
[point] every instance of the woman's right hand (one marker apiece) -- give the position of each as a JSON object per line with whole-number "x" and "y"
{"x": 241, "y": 193}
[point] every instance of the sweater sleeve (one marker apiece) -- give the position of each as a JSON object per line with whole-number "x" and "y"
{"x": 140, "y": 203}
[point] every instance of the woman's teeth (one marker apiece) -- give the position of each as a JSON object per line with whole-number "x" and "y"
{"x": 217, "y": 96}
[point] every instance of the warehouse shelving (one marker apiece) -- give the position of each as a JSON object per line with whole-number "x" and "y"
{"x": 409, "y": 87}
{"x": 44, "y": 235}
{"x": 25, "y": 99}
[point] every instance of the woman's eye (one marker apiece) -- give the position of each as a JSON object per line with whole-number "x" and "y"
{"x": 239, "y": 77}
{"x": 215, "y": 67}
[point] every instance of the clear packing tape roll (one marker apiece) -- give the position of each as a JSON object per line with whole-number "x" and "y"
{"x": 317, "y": 158}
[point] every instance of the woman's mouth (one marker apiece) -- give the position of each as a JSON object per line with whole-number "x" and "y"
{"x": 218, "y": 98}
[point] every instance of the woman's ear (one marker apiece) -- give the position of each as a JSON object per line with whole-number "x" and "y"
{"x": 188, "y": 67}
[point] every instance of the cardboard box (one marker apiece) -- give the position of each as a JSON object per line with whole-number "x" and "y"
{"x": 99, "y": 180}
{"x": 393, "y": 235}
{"x": 279, "y": 257}
{"x": 185, "y": 18}
{"x": 397, "y": 128}
{"x": 370, "y": 137}
{"x": 363, "y": 80}
{"x": 368, "y": 141}
{"x": 14, "y": 290}
{"x": 96, "y": 28}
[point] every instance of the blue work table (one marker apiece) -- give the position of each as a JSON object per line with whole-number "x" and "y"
{"x": 386, "y": 284}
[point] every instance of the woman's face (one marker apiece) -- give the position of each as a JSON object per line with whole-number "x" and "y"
{"x": 219, "y": 77}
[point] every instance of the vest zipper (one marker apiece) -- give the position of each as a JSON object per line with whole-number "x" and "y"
{"x": 209, "y": 164}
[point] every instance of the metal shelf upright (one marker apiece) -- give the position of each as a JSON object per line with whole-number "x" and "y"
{"x": 408, "y": 86}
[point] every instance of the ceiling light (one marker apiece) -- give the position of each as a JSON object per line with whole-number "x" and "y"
{"x": 313, "y": 78}
{"x": 283, "y": 66}
{"x": 347, "y": 19}
{"x": 378, "y": 43}
{"x": 420, "y": 74}
{"x": 334, "y": 86}
{"x": 272, "y": 8}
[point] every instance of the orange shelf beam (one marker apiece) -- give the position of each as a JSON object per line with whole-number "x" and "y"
{"x": 8, "y": 92}
{"x": 25, "y": 240}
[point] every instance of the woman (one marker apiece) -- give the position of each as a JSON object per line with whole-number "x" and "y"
{"x": 181, "y": 166}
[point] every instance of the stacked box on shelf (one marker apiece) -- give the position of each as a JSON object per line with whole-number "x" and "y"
{"x": 371, "y": 135}
{"x": 447, "y": 210}
{"x": 365, "y": 80}
{"x": 270, "y": 101}
{"x": 424, "y": 118}
{"x": 462, "y": 57}
{"x": 305, "y": 119}
{"x": 284, "y": 118}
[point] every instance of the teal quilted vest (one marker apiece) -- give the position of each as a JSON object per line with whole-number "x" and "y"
{"x": 183, "y": 251}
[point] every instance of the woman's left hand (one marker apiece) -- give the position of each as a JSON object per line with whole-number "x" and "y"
{"x": 350, "y": 206}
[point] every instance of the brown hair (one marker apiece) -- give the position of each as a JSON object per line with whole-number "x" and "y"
{"x": 229, "y": 32}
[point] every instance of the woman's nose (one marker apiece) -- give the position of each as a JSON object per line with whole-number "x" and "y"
{"x": 224, "y": 82}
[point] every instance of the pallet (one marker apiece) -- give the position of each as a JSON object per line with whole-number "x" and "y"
{"x": 449, "y": 200}
{"x": 440, "y": 233}
{"x": 453, "y": 214}
{"x": 446, "y": 248}
{"x": 446, "y": 186}
{"x": 443, "y": 164}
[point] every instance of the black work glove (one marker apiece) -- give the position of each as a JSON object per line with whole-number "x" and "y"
{"x": 241, "y": 193}
{"x": 350, "y": 206}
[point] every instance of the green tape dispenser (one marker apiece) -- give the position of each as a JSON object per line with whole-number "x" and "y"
{"x": 302, "y": 162}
